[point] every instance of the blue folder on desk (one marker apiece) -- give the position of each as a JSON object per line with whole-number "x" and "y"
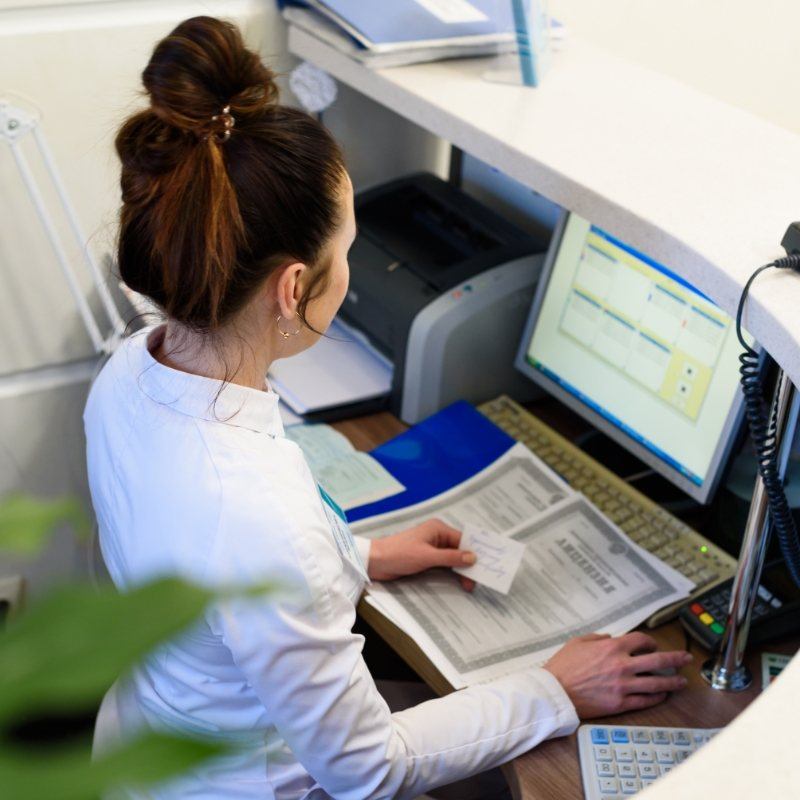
{"x": 435, "y": 455}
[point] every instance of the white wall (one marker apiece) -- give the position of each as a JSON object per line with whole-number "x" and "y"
{"x": 80, "y": 62}
{"x": 743, "y": 52}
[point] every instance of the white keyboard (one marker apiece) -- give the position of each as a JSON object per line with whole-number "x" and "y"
{"x": 620, "y": 760}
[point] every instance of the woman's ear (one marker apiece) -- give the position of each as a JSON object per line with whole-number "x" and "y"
{"x": 288, "y": 289}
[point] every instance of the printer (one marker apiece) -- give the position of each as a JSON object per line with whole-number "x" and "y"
{"x": 441, "y": 285}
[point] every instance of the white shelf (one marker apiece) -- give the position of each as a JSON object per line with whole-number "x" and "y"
{"x": 702, "y": 187}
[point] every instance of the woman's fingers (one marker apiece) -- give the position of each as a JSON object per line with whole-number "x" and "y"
{"x": 654, "y": 662}
{"x": 656, "y": 684}
{"x": 441, "y": 534}
{"x": 636, "y": 702}
{"x": 449, "y": 557}
{"x": 637, "y": 642}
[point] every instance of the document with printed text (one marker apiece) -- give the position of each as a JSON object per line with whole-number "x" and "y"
{"x": 350, "y": 477}
{"x": 579, "y": 574}
{"x": 517, "y": 486}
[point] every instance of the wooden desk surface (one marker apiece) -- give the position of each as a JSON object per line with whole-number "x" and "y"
{"x": 551, "y": 771}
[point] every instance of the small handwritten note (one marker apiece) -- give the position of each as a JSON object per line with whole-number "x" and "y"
{"x": 498, "y": 558}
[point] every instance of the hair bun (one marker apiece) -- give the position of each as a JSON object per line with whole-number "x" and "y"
{"x": 202, "y": 67}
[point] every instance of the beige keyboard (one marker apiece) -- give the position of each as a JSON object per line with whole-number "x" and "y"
{"x": 643, "y": 520}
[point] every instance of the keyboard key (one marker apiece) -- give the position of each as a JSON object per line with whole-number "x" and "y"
{"x": 681, "y": 756}
{"x": 630, "y": 785}
{"x": 681, "y": 738}
{"x": 665, "y": 755}
{"x": 623, "y": 754}
{"x": 645, "y": 755}
{"x": 609, "y": 785}
{"x": 623, "y": 514}
{"x": 627, "y": 771}
{"x": 619, "y": 736}
{"x": 648, "y": 771}
{"x": 603, "y": 754}
{"x": 605, "y": 770}
{"x": 599, "y": 736}
{"x": 641, "y": 737}
{"x": 690, "y": 568}
{"x": 707, "y": 575}
{"x": 665, "y": 769}
{"x": 661, "y": 737}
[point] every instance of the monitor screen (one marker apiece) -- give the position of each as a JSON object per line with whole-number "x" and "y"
{"x": 638, "y": 351}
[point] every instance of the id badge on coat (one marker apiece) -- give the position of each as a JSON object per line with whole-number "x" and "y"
{"x": 342, "y": 534}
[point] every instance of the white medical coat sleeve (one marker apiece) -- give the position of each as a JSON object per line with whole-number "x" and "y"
{"x": 363, "y": 545}
{"x": 304, "y": 662}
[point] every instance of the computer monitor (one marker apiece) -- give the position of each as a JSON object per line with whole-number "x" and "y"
{"x": 638, "y": 352}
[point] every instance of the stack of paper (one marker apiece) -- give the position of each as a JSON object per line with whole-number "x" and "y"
{"x": 342, "y": 368}
{"x": 396, "y": 32}
{"x": 579, "y": 574}
{"x": 350, "y": 477}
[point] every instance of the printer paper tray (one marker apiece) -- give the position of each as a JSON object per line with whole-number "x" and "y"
{"x": 341, "y": 375}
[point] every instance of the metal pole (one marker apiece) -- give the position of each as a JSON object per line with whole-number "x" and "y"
{"x": 15, "y": 124}
{"x": 728, "y": 672}
{"x": 52, "y": 235}
{"x": 114, "y": 317}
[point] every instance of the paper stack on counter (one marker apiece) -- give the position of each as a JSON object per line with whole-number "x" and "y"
{"x": 394, "y": 33}
{"x": 329, "y": 32}
{"x": 580, "y": 574}
{"x": 350, "y": 477}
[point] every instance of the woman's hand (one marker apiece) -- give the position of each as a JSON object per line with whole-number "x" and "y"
{"x": 431, "y": 544}
{"x": 604, "y": 675}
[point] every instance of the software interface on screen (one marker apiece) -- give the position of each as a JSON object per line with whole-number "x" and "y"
{"x": 639, "y": 346}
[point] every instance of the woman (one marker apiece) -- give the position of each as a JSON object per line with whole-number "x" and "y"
{"x": 237, "y": 217}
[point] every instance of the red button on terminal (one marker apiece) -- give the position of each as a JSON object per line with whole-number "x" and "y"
{"x": 697, "y": 609}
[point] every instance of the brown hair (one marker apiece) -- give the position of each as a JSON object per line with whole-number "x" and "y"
{"x": 205, "y": 216}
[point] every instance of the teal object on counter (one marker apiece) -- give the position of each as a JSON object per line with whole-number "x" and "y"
{"x": 526, "y": 43}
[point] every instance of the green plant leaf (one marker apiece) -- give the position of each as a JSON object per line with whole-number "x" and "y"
{"x": 26, "y": 523}
{"x": 66, "y": 774}
{"x": 64, "y": 652}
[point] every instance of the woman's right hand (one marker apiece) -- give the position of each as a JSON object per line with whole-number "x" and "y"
{"x": 604, "y": 675}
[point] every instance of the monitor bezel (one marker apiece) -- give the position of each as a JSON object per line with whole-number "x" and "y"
{"x": 702, "y": 493}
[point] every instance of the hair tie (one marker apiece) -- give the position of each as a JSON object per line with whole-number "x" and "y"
{"x": 227, "y": 120}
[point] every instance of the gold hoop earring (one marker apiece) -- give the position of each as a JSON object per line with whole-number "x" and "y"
{"x": 286, "y": 334}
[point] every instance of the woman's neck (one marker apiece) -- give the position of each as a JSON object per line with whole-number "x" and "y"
{"x": 226, "y": 355}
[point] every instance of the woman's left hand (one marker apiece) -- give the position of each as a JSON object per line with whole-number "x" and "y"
{"x": 431, "y": 544}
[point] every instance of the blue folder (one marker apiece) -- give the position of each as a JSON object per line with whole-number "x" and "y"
{"x": 440, "y": 452}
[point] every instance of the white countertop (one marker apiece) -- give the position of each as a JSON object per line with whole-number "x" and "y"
{"x": 755, "y": 756}
{"x": 702, "y": 187}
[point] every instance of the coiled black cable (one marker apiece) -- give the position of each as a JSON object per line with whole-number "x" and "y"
{"x": 763, "y": 431}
